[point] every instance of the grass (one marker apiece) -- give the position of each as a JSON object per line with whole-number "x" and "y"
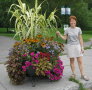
{"x": 87, "y": 34}
{"x": 3, "y": 32}
{"x": 81, "y": 86}
{"x": 89, "y": 47}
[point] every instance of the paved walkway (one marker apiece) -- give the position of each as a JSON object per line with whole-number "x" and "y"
{"x": 5, "y": 45}
{"x": 63, "y": 84}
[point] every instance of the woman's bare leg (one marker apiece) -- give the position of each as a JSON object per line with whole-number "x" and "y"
{"x": 80, "y": 64}
{"x": 72, "y": 65}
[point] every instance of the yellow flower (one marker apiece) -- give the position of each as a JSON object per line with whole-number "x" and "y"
{"x": 43, "y": 45}
{"x": 39, "y": 36}
{"x": 47, "y": 39}
{"x": 31, "y": 40}
{"x": 35, "y": 40}
{"x": 27, "y": 40}
{"x": 17, "y": 43}
{"x": 51, "y": 38}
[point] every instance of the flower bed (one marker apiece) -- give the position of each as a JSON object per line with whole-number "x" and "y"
{"x": 34, "y": 54}
{"x": 41, "y": 54}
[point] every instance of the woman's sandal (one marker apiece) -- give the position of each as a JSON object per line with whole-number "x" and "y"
{"x": 85, "y": 77}
{"x": 73, "y": 76}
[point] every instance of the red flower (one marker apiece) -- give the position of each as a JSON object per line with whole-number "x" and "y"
{"x": 45, "y": 55}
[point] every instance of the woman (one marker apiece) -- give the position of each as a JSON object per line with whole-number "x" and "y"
{"x": 75, "y": 47}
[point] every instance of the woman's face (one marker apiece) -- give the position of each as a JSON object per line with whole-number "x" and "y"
{"x": 73, "y": 23}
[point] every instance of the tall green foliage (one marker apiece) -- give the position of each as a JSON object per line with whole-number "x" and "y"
{"x": 30, "y": 22}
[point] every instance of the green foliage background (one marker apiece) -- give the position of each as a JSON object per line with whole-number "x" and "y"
{"x": 81, "y": 8}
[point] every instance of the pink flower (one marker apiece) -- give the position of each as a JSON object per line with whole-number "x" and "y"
{"x": 59, "y": 61}
{"x": 32, "y": 53}
{"x": 57, "y": 71}
{"x": 34, "y": 67}
{"x": 27, "y": 63}
{"x": 56, "y": 77}
{"x": 33, "y": 58}
{"x": 61, "y": 67}
{"x": 51, "y": 77}
{"x": 36, "y": 56}
{"x": 47, "y": 72}
{"x": 24, "y": 55}
{"x": 24, "y": 68}
{"x": 37, "y": 61}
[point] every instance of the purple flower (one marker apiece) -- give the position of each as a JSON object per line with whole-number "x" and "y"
{"x": 47, "y": 47}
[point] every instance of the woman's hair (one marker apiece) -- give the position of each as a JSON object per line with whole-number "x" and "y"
{"x": 73, "y": 17}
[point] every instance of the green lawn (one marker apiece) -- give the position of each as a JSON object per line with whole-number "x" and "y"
{"x": 3, "y": 32}
{"x": 87, "y": 34}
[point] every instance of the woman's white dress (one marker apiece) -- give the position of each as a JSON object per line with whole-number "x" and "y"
{"x": 73, "y": 43}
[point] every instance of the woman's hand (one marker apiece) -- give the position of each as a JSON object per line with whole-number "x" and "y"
{"x": 81, "y": 43}
{"x": 82, "y": 50}
{"x": 58, "y": 33}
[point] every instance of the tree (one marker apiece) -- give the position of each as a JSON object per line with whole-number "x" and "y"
{"x": 78, "y": 7}
{"x": 5, "y": 17}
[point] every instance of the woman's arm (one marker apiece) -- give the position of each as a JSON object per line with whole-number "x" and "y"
{"x": 63, "y": 37}
{"x": 81, "y": 43}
